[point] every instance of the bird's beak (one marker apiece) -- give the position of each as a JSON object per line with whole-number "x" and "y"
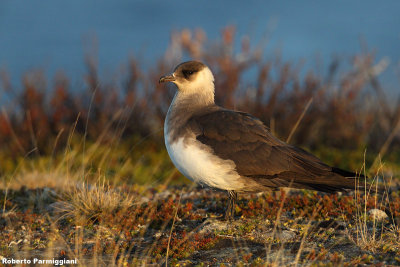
{"x": 167, "y": 78}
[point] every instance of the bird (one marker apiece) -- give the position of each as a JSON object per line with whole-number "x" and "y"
{"x": 233, "y": 150}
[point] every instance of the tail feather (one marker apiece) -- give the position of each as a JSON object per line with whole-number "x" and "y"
{"x": 347, "y": 174}
{"x": 339, "y": 180}
{"x": 361, "y": 184}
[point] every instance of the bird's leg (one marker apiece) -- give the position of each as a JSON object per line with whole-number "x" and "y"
{"x": 230, "y": 211}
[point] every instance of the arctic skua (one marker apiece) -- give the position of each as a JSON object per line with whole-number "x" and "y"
{"x": 232, "y": 150}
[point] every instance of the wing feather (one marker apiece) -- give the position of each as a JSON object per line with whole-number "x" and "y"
{"x": 261, "y": 156}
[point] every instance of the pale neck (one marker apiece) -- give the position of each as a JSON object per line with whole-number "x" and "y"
{"x": 198, "y": 99}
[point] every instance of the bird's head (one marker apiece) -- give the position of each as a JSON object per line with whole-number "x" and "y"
{"x": 191, "y": 77}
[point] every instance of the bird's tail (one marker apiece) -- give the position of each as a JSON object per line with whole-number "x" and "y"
{"x": 359, "y": 181}
{"x": 348, "y": 174}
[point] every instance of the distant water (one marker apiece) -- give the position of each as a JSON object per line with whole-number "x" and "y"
{"x": 51, "y": 34}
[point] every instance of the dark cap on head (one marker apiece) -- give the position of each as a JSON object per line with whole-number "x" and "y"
{"x": 186, "y": 69}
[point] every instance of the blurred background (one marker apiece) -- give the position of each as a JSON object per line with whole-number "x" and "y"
{"x": 82, "y": 77}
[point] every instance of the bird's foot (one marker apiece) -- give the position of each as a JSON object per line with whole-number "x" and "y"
{"x": 230, "y": 211}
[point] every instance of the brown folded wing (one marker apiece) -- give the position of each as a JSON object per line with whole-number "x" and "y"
{"x": 260, "y": 156}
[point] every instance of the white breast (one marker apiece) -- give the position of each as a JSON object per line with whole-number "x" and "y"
{"x": 197, "y": 163}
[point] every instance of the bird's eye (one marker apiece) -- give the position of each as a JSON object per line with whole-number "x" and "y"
{"x": 187, "y": 73}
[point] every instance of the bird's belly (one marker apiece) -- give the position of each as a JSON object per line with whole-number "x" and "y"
{"x": 197, "y": 162}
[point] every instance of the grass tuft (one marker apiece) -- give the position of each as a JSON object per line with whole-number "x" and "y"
{"x": 87, "y": 203}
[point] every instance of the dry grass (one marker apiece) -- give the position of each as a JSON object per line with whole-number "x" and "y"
{"x": 374, "y": 225}
{"x": 89, "y": 202}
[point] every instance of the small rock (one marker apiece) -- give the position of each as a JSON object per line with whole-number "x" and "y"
{"x": 212, "y": 225}
{"x": 144, "y": 200}
{"x": 377, "y": 214}
{"x": 190, "y": 194}
{"x": 286, "y": 235}
{"x": 164, "y": 195}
